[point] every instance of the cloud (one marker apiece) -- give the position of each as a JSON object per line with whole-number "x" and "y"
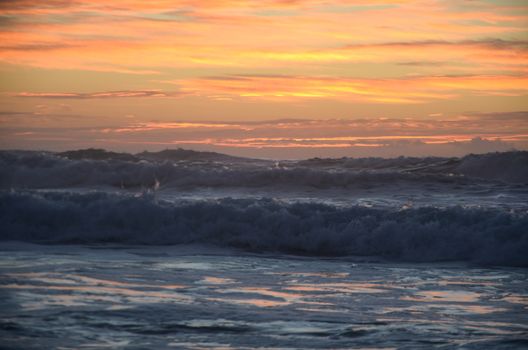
{"x": 422, "y": 63}
{"x": 398, "y": 91}
{"x": 502, "y": 117}
{"x": 235, "y": 33}
{"x": 456, "y": 135}
{"x": 36, "y": 47}
{"x": 487, "y": 43}
{"x": 170, "y": 5}
{"x": 153, "y": 126}
{"x": 98, "y": 95}
{"x": 77, "y": 52}
{"x": 332, "y": 133}
{"x": 480, "y": 145}
{"x": 284, "y": 58}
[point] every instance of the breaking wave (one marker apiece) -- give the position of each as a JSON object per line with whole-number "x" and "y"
{"x": 263, "y": 225}
{"x": 29, "y": 169}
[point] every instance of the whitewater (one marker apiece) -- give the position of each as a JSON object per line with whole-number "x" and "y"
{"x": 200, "y": 250}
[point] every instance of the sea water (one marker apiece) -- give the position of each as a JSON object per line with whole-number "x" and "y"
{"x": 226, "y": 253}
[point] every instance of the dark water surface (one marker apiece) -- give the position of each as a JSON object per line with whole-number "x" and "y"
{"x": 71, "y": 297}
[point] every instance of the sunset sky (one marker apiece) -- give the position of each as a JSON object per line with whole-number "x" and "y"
{"x": 265, "y": 78}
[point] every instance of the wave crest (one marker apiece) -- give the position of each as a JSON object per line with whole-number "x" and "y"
{"x": 48, "y": 170}
{"x": 265, "y": 225}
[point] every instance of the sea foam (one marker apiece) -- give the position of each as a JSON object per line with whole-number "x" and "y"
{"x": 19, "y": 169}
{"x": 265, "y": 225}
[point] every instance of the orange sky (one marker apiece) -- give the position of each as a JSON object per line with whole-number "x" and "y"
{"x": 268, "y": 78}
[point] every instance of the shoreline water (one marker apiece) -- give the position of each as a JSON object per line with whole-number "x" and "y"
{"x": 179, "y": 297}
{"x": 306, "y": 255}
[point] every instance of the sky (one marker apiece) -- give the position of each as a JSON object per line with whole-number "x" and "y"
{"x": 266, "y": 78}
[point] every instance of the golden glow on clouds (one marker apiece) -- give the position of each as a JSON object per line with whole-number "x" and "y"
{"x": 405, "y": 90}
{"x": 379, "y": 136}
{"x": 95, "y": 95}
{"x": 86, "y": 64}
{"x": 140, "y": 127}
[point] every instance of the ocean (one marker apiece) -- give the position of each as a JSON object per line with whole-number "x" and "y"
{"x": 197, "y": 250}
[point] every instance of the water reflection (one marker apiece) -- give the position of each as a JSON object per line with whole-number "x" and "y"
{"x": 217, "y": 280}
{"x": 517, "y": 299}
{"x": 272, "y": 298}
{"x": 222, "y": 302}
{"x": 444, "y": 296}
{"x": 339, "y": 287}
{"x": 444, "y": 308}
{"x": 264, "y": 303}
{"x": 42, "y": 290}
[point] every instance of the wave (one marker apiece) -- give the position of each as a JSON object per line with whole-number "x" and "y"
{"x": 263, "y": 225}
{"x": 27, "y": 169}
{"x": 168, "y": 154}
{"x": 504, "y": 166}
{"x": 508, "y": 166}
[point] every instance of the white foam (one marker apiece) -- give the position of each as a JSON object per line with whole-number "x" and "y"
{"x": 265, "y": 225}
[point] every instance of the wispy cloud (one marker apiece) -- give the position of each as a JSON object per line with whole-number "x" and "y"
{"x": 332, "y": 137}
{"x": 98, "y": 95}
{"x": 180, "y": 61}
{"x": 407, "y": 90}
{"x": 402, "y": 90}
{"x": 75, "y": 35}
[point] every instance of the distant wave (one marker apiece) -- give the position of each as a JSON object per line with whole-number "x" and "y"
{"x": 421, "y": 234}
{"x": 504, "y": 166}
{"x": 19, "y": 169}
